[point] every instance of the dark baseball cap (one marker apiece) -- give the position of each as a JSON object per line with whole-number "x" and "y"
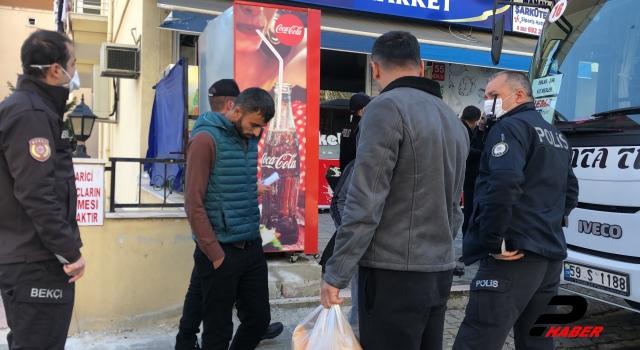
{"x": 359, "y": 101}
{"x": 224, "y": 87}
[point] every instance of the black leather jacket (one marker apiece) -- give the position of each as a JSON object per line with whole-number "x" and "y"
{"x": 37, "y": 182}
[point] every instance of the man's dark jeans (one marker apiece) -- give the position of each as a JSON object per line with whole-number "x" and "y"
{"x": 242, "y": 279}
{"x": 191, "y": 314}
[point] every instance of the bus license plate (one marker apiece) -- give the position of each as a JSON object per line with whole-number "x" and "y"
{"x": 614, "y": 282}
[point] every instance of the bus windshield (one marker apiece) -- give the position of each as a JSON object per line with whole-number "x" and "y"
{"x": 586, "y": 70}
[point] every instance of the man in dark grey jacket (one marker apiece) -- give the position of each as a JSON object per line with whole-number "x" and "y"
{"x": 403, "y": 205}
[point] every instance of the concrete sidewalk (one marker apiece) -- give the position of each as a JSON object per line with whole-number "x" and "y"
{"x": 163, "y": 338}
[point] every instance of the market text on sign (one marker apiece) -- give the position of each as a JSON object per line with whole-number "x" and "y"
{"x": 431, "y": 4}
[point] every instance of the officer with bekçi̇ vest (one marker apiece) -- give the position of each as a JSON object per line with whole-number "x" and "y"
{"x": 39, "y": 238}
{"x": 524, "y": 192}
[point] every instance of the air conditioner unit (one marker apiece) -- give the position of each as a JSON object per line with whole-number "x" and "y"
{"x": 119, "y": 61}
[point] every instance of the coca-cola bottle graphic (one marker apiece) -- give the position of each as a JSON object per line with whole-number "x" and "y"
{"x": 281, "y": 155}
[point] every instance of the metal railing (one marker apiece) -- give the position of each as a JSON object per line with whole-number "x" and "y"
{"x": 160, "y": 183}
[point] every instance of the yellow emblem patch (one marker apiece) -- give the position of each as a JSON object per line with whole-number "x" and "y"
{"x": 39, "y": 149}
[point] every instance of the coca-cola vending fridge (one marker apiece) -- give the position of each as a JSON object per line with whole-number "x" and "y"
{"x": 276, "y": 48}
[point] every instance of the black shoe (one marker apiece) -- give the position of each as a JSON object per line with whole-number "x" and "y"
{"x": 272, "y": 331}
{"x": 458, "y": 271}
{"x": 461, "y": 259}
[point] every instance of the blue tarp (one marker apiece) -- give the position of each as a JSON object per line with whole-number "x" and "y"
{"x": 166, "y": 132}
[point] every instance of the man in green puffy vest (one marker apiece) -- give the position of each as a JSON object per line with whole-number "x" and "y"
{"x": 221, "y": 202}
{"x": 222, "y": 97}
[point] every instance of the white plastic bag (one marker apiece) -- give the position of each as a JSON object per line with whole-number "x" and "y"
{"x": 324, "y": 329}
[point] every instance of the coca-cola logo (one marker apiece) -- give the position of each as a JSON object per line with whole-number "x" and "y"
{"x": 285, "y": 161}
{"x": 289, "y": 29}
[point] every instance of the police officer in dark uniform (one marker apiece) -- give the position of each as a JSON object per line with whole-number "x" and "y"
{"x": 39, "y": 238}
{"x": 525, "y": 191}
{"x": 348, "y": 142}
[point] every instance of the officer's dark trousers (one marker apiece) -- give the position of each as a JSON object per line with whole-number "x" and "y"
{"x": 191, "y": 314}
{"x": 240, "y": 280}
{"x": 401, "y": 309}
{"x": 468, "y": 207}
{"x": 507, "y": 294}
{"x": 38, "y": 300}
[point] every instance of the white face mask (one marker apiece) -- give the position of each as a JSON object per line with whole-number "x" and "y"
{"x": 499, "y": 112}
{"x": 74, "y": 82}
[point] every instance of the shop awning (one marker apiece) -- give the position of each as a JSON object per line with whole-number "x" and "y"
{"x": 184, "y": 21}
{"x": 356, "y": 33}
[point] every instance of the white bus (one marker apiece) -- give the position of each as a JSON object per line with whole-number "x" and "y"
{"x": 585, "y": 75}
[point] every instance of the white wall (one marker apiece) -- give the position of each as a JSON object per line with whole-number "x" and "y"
{"x": 464, "y": 86}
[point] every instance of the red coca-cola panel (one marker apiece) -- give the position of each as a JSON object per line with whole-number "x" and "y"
{"x": 289, "y": 146}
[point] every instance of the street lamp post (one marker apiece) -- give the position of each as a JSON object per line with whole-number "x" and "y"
{"x": 82, "y": 119}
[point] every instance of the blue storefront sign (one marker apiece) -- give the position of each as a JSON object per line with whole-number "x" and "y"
{"x": 476, "y": 13}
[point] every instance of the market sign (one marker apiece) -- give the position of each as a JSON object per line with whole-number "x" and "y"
{"x": 477, "y": 13}
{"x": 530, "y": 20}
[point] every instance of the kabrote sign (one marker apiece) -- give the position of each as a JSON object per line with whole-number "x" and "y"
{"x": 90, "y": 193}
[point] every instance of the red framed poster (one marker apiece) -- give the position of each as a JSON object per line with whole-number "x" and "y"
{"x": 277, "y": 48}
